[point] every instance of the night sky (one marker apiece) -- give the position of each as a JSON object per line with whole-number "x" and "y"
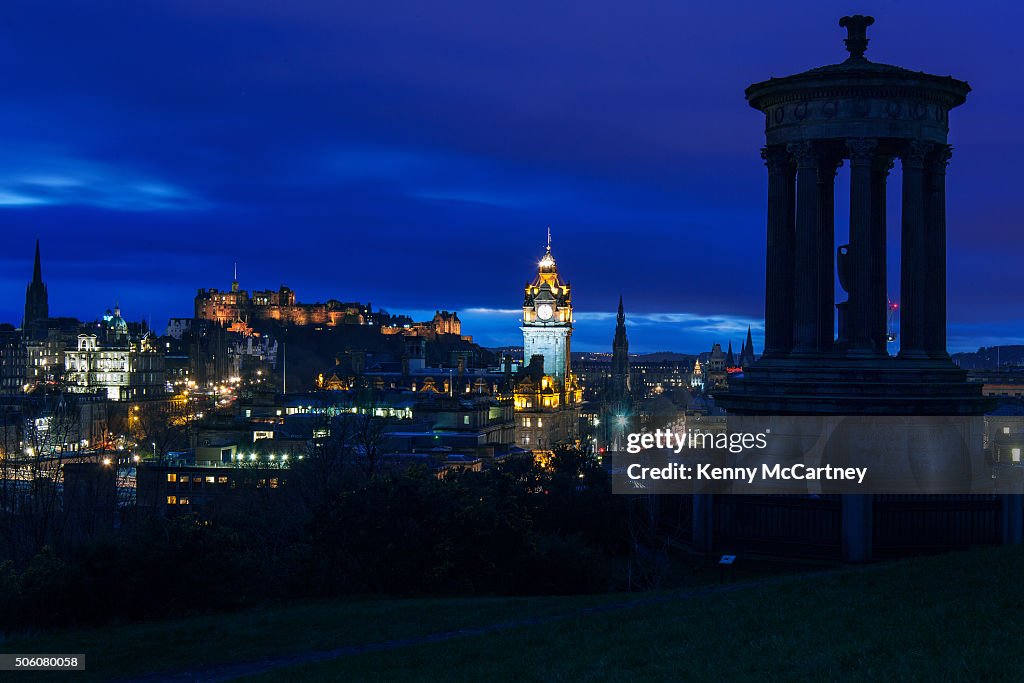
{"x": 413, "y": 153}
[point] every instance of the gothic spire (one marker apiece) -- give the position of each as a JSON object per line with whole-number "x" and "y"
{"x": 37, "y": 269}
{"x": 36, "y": 300}
{"x": 620, "y": 358}
{"x": 747, "y": 355}
{"x": 620, "y": 327}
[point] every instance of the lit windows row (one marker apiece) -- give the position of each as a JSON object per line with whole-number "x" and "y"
{"x": 173, "y": 477}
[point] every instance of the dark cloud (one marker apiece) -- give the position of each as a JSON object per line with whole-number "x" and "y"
{"x": 412, "y": 153}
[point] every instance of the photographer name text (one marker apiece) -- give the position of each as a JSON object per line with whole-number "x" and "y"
{"x": 707, "y": 472}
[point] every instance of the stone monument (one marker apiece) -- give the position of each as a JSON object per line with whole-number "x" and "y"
{"x": 871, "y": 115}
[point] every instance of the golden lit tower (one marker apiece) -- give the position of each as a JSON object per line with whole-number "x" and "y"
{"x": 546, "y": 394}
{"x": 547, "y": 318}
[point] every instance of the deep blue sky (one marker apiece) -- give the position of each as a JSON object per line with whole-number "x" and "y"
{"x": 412, "y": 154}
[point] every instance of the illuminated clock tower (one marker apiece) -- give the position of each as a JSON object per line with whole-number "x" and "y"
{"x": 547, "y": 318}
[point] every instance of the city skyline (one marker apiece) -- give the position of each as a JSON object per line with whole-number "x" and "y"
{"x": 501, "y": 341}
{"x": 434, "y": 192}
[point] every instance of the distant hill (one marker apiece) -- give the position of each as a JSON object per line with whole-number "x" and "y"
{"x": 606, "y": 356}
{"x": 656, "y": 357}
{"x": 659, "y": 356}
{"x": 990, "y": 357}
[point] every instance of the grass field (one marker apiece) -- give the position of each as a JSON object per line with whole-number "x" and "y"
{"x": 135, "y": 649}
{"x": 953, "y": 617}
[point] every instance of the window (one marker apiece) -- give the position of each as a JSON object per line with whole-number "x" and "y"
{"x": 210, "y": 479}
{"x": 171, "y": 477}
{"x": 540, "y": 422}
{"x": 172, "y": 500}
{"x": 465, "y": 419}
{"x": 1006, "y": 430}
{"x": 183, "y": 479}
{"x": 183, "y": 501}
{"x": 222, "y": 480}
{"x": 1015, "y": 455}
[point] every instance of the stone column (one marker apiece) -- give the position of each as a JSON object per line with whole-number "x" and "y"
{"x": 829, "y": 163}
{"x": 935, "y": 253}
{"x": 703, "y": 522}
{"x": 863, "y": 250}
{"x": 1012, "y": 509}
{"x": 778, "y": 307}
{"x": 913, "y": 276}
{"x": 807, "y": 247}
{"x": 879, "y": 274}
{"x": 857, "y": 527}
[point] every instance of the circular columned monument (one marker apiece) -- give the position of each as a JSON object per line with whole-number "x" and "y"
{"x": 826, "y": 358}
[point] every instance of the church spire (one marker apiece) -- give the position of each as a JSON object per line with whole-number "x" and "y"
{"x": 747, "y": 356}
{"x": 37, "y": 269}
{"x": 730, "y": 359}
{"x": 36, "y": 300}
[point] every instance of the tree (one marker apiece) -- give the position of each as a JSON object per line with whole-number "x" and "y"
{"x": 47, "y": 429}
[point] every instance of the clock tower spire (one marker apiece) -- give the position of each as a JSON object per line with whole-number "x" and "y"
{"x": 547, "y": 317}
{"x": 546, "y": 395}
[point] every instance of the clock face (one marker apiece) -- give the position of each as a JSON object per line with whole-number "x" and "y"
{"x": 544, "y": 311}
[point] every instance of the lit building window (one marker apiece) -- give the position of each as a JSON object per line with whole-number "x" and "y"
{"x": 183, "y": 501}
{"x": 172, "y": 478}
{"x": 1015, "y": 454}
{"x": 172, "y": 500}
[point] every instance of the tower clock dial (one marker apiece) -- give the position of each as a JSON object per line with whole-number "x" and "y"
{"x": 544, "y": 311}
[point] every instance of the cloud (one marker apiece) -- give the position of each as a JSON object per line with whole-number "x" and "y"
{"x": 48, "y": 178}
{"x": 593, "y": 331}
